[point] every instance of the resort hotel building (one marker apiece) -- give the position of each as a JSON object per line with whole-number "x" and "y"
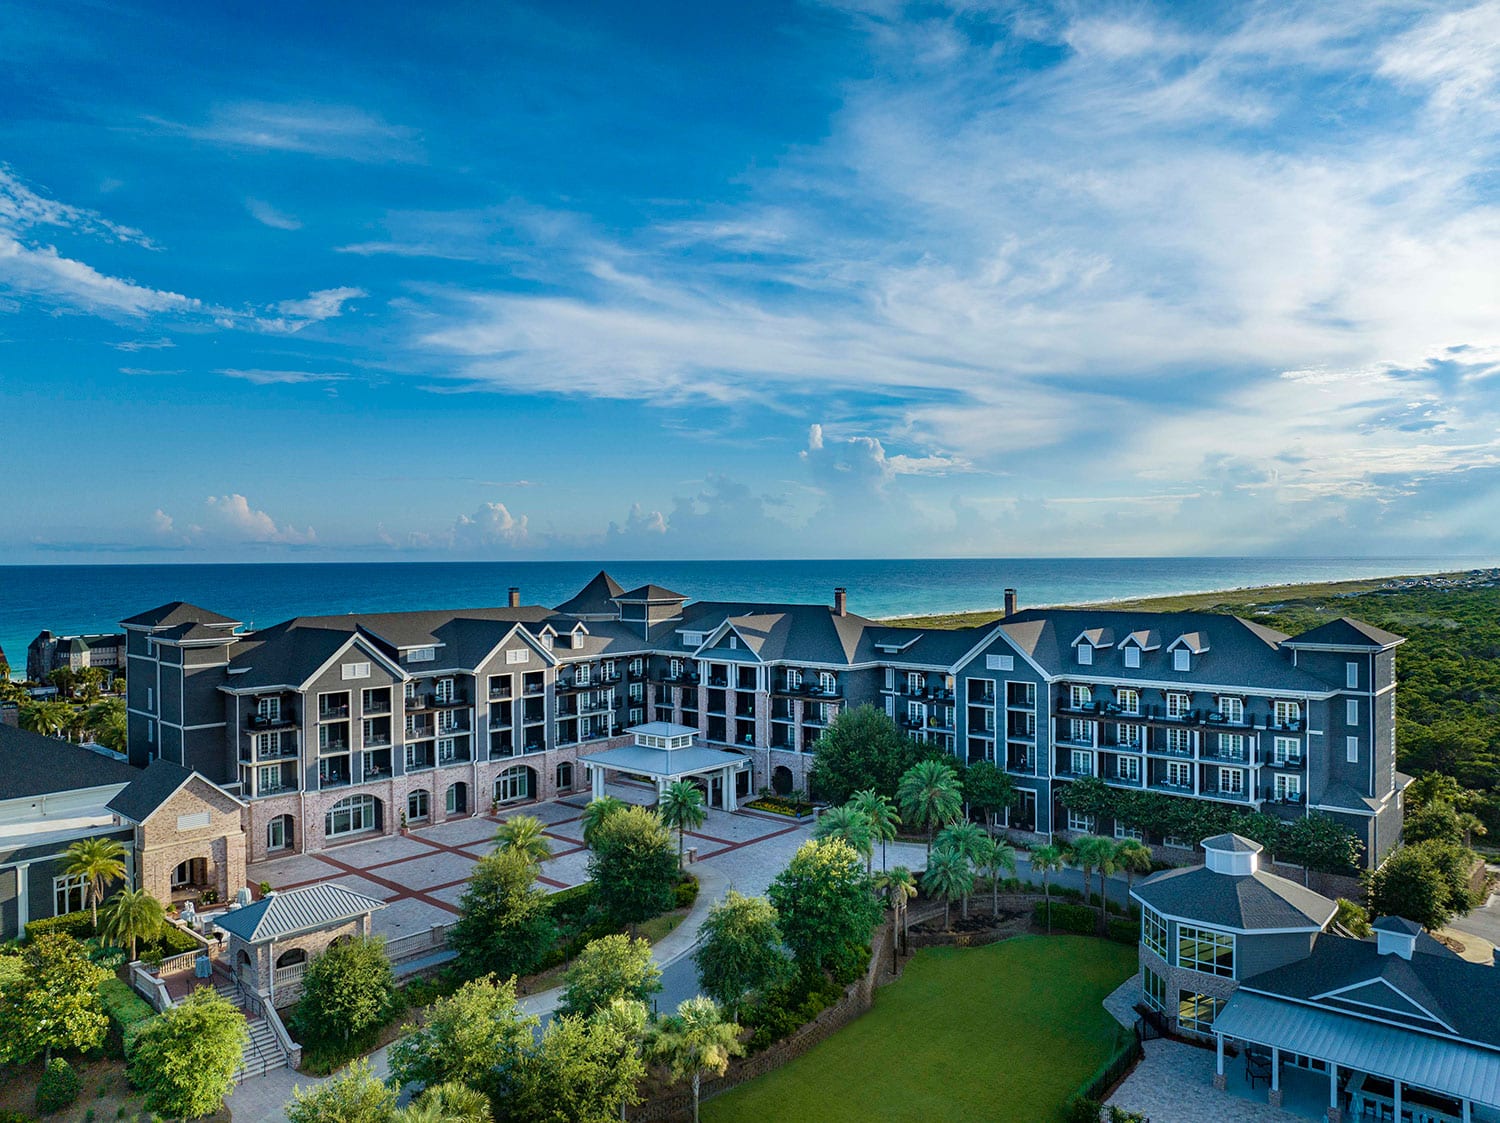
{"x": 328, "y": 727}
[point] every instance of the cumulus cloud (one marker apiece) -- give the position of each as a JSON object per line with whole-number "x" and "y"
{"x": 233, "y": 516}
{"x": 324, "y": 304}
{"x": 491, "y": 525}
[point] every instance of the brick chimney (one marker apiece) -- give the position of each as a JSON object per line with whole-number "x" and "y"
{"x": 1010, "y": 602}
{"x": 841, "y": 601}
{"x": 515, "y": 597}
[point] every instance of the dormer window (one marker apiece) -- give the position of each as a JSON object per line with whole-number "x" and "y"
{"x": 734, "y": 642}
{"x": 1182, "y": 659}
{"x": 692, "y": 639}
{"x": 1132, "y": 656}
{"x": 1085, "y": 655}
{"x": 421, "y": 655}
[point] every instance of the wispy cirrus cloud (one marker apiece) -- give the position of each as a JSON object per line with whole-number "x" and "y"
{"x": 283, "y": 377}
{"x": 267, "y": 215}
{"x": 333, "y": 131}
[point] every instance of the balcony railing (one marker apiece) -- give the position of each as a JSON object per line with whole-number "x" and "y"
{"x": 333, "y": 713}
{"x": 287, "y": 717}
{"x": 500, "y": 693}
{"x": 375, "y": 709}
{"x": 1243, "y": 795}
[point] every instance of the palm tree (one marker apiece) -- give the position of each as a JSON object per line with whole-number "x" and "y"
{"x": 50, "y": 719}
{"x": 131, "y": 915}
{"x": 596, "y": 812}
{"x": 696, "y": 1040}
{"x": 106, "y": 722}
{"x": 853, "y": 826}
{"x": 1048, "y": 859}
{"x": 1091, "y": 853}
{"x": 948, "y": 872}
{"x": 882, "y": 814}
{"x": 681, "y": 807}
{"x": 970, "y": 840}
{"x": 523, "y": 834}
{"x": 929, "y": 796}
{"x": 1132, "y": 856}
{"x": 899, "y": 887}
{"x": 98, "y": 861}
{"x": 451, "y": 1102}
{"x": 998, "y": 855}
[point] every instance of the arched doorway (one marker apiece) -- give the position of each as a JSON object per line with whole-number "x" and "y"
{"x": 353, "y": 814}
{"x": 244, "y": 970}
{"x": 456, "y": 801}
{"x": 515, "y": 784}
{"x": 565, "y": 776}
{"x": 781, "y": 780}
{"x": 281, "y": 833}
{"x": 419, "y": 806}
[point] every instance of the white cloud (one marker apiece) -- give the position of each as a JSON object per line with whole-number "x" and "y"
{"x": 342, "y": 132}
{"x": 294, "y": 315}
{"x": 282, "y": 377}
{"x": 491, "y": 525}
{"x": 232, "y": 516}
{"x": 133, "y": 345}
{"x": 1455, "y": 55}
{"x": 267, "y": 215}
{"x": 42, "y": 271}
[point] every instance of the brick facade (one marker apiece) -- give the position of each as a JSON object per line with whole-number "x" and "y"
{"x": 171, "y": 835}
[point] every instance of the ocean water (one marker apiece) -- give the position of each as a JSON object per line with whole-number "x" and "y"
{"x": 70, "y": 599}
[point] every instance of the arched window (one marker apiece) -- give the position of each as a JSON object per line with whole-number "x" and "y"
{"x": 279, "y": 833}
{"x": 565, "y": 776}
{"x": 351, "y": 815}
{"x": 517, "y": 782}
{"x": 419, "y": 805}
{"x": 291, "y": 957}
{"x": 456, "y": 802}
{"x": 781, "y": 780}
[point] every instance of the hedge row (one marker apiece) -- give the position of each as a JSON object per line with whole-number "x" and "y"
{"x": 80, "y": 925}
{"x": 1084, "y": 921}
{"x": 129, "y": 1014}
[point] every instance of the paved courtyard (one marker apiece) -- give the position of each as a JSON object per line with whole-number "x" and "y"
{"x": 1174, "y": 1084}
{"x": 422, "y": 875}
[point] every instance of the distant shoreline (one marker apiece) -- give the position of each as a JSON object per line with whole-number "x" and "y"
{"x": 1167, "y": 602}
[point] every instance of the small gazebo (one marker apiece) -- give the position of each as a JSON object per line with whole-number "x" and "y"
{"x": 272, "y": 940}
{"x": 665, "y": 752}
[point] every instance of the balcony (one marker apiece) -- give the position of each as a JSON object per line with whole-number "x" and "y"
{"x": 987, "y": 698}
{"x": 416, "y": 701}
{"x": 458, "y": 699}
{"x": 1171, "y": 789}
{"x": 377, "y": 740}
{"x": 1288, "y": 799}
{"x": 333, "y": 713}
{"x": 1285, "y": 762}
{"x": 1241, "y": 796}
{"x": 1244, "y": 759}
{"x": 287, "y": 751}
{"x": 286, "y": 719}
{"x": 822, "y": 692}
{"x": 328, "y": 748}
{"x": 1175, "y": 754}
{"x": 500, "y": 693}
{"x": 533, "y": 688}
{"x": 498, "y": 724}
{"x": 719, "y": 681}
{"x": 1123, "y": 782}
{"x": 1022, "y": 766}
{"x": 333, "y": 778}
{"x": 376, "y": 708}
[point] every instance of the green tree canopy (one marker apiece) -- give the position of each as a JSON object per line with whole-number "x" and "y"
{"x": 55, "y": 1003}
{"x": 633, "y": 866}
{"x": 454, "y": 1103}
{"x": 948, "y": 875}
{"x": 826, "y": 907}
{"x": 697, "y": 1039}
{"x": 596, "y": 812}
{"x": 1426, "y": 882}
{"x": 1091, "y": 853}
{"x": 608, "y": 968}
{"x": 850, "y": 824}
{"x": 106, "y": 723}
{"x": 50, "y": 719}
{"x": 1047, "y": 860}
{"x": 740, "y": 950}
{"x": 132, "y": 915}
{"x": 583, "y": 1070}
{"x": 930, "y": 796}
{"x": 354, "y": 1095}
{"x": 99, "y": 861}
{"x": 682, "y": 809}
{"x": 347, "y": 992}
{"x": 1317, "y": 842}
{"x": 881, "y": 811}
{"x": 524, "y": 835}
{"x": 861, "y": 748}
{"x": 504, "y": 926}
{"x": 464, "y": 1037}
{"x": 988, "y": 789}
{"x": 186, "y": 1059}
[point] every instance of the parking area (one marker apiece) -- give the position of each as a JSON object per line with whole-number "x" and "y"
{"x": 421, "y": 875}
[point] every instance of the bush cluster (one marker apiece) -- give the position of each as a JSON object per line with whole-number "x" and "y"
{"x": 58, "y": 1088}
{"x": 786, "y": 1008}
{"x": 129, "y": 1014}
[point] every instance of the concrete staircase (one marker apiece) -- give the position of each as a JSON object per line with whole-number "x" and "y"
{"x": 263, "y": 1052}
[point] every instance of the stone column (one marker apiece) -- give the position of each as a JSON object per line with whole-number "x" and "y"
{"x": 1274, "y": 1096}
{"x": 598, "y": 777}
{"x": 1220, "y": 1082}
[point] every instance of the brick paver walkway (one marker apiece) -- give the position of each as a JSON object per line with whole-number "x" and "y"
{"x": 1174, "y": 1084}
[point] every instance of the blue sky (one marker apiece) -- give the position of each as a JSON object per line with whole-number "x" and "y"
{"x": 698, "y": 280}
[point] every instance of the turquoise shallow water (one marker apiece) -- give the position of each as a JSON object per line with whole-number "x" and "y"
{"x": 94, "y": 598}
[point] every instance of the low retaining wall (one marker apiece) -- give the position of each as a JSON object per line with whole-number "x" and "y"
{"x": 858, "y": 997}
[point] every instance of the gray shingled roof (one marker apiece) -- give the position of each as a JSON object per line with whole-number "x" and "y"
{"x": 1464, "y": 995}
{"x": 594, "y": 599}
{"x": 177, "y": 612}
{"x": 1232, "y": 842}
{"x": 653, "y": 593}
{"x": 1347, "y": 632}
{"x": 1238, "y": 651}
{"x": 32, "y": 765}
{"x": 150, "y": 789}
{"x": 296, "y": 910}
{"x": 1245, "y": 903}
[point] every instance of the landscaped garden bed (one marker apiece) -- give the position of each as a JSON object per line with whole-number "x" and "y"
{"x": 780, "y": 805}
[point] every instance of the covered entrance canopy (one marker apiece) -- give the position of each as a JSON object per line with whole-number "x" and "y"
{"x": 666, "y": 753}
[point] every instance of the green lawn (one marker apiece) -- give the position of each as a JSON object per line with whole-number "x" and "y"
{"x": 1005, "y": 1032}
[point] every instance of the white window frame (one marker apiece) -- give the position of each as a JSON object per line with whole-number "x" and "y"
{"x": 1128, "y": 768}
{"x": 581, "y": 674}
{"x": 65, "y": 890}
{"x": 1182, "y": 659}
{"x": 1197, "y": 1024}
{"x": 1083, "y": 823}
{"x": 1232, "y": 746}
{"x": 1085, "y": 655}
{"x": 1232, "y": 781}
{"x": 1284, "y": 749}
{"x": 1178, "y": 704}
{"x": 421, "y": 655}
{"x": 352, "y": 671}
{"x": 914, "y": 682}
{"x": 1232, "y": 708}
{"x": 1286, "y": 712}
{"x": 1351, "y": 750}
{"x": 267, "y": 708}
{"x": 1081, "y": 762}
{"x": 442, "y": 690}
{"x": 1081, "y": 730}
{"x": 1287, "y": 785}
{"x": 1132, "y": 656}
{"x": 517, "y": 655}
{"x": 418, "y": 805}
{"x": 276, "y": 834}
{"x": 1194, "y": 934}
{"x": 1154, "y": 932}
{"x": 793, "y": 678}
{"x": 1079, "y": 696}
{"x": 1351, "y": 676}
{"x": 1351, "y": 711}
{"x": 1128, "y": 700}
{"x": 1179, "y": 740}
{"x": 1154, "y": 987}
{"x": 1179, "y": 774}
{"x": 1124, "y": 832}
{"x": 827, "y": 682}
{"x": 447, "y": 750}
{"x": 1128, "y": 736}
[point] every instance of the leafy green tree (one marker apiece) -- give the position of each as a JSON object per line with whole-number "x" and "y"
{"x": 1132, "y": 857}
{"x": 694, "y": 1041}
{"x": 949, "y": 875}
{"x": 608, "y": 968}
{"x": 898, "y": 886}
{"x": 740, "y": 951}
{"x": 50, "y": 719}
{"x": 106, "y": 723}
{"x": 1047, "y": 860}
{"x": 853, "y": 826}
{"x": 524, "y": 835}
{"x": 88, "y": 680}
{"x": 1316, "y": 842}
{"x": 1426, "y": 882}
{"x": 348, "y": 992}
{"x": 1353, "y": 917}
{"x": 881, "y": 811}
{"x": 131, "y": 915}
{"x": 186, "y": 1060}
{"x": 681, "y": 809}
{"x": 929, "y": 796}
{"x": 464, "y": 1037}
{"x": 1440, "y": 821}
{"x": 633, "y": 866}
{"x": 504, "y": 925}
{"x": 826, "y": 908}
{"x": 1091, "y": 853}
{"x": 861, "y": 748}
{"x": 596, "y": 812}
{"x": 453, "y": 1103}
{"x": 55, "y": 1004}
{"x": 354, "y": 1095}
{"x": 583, "y": 1070}
{"x": 98, "y": 861}
{"x": 64, "y": 679}
{"x": 988, "y": 789}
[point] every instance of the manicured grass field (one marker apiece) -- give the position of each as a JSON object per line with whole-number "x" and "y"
{"x": 1005, "y": 1032}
